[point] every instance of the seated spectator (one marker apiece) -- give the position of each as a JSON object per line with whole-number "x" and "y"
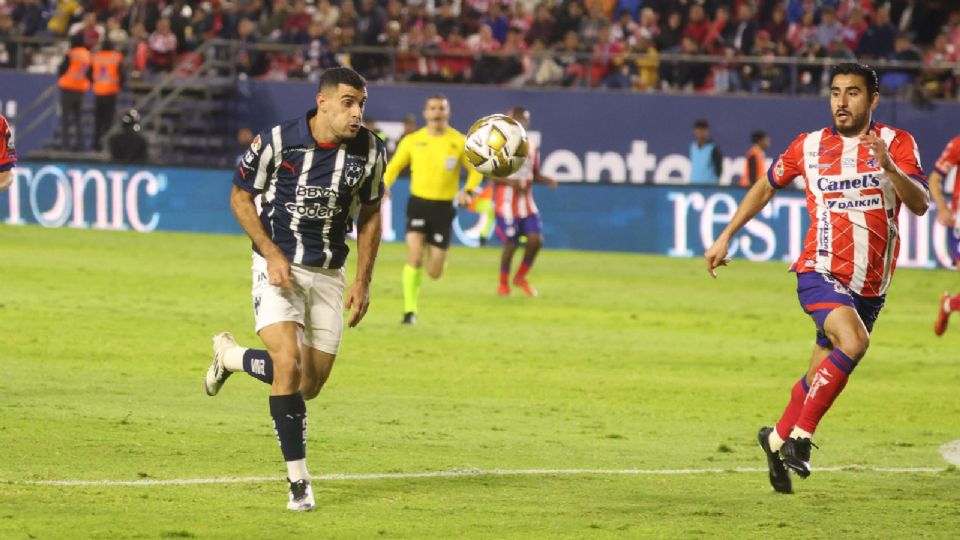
{"x": 671, "y": 33}
{"x": 624, "y": 28}
{"x": 853, "y": 29}
{"x": 8, "y": 49}
{"x": 456, "y": 63}
{"x": 89, "y": 28}
{"x": 498, "y": 22}
{"x": 777, "y": 26}
{"x": 590, "y": 28}
{"x": 829, "y": 29}
{"x": 29, "y": 15}
{"x": 295, "y": 27}
{"x": 542, "y": 26}
{"x": 878, "y": 39}
{"x": 116, "y": 33}
{"x": 271, "y": 26}
{"x": 744, "y": 31}
{"x": 445, "y": 19}
{"x": 802, "y": 32}
{"x": 569, "y": 58}
{"x": 162, "y": 47}
{"x": 697, "y": 26}
{"x": 605, "y": 52}
{"x": 327, "y": 15}
{"x": 60, "y": 19}
{"x": 250, "y": 61}
{"x": 568, "y": 21}
{"x": 648, "y": 24}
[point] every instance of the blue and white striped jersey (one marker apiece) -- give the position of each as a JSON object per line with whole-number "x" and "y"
{"x": 310, "y": 191}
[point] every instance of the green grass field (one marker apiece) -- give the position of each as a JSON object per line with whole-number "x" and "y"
{"x": 624, "y": 362}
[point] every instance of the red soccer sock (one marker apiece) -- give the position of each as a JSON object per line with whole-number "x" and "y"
{"x": 522, "y": 271}
{"x": 504, "y": 274}
{"x": 955, "y": 303}
{"x": 790, "y": 414}
{"x": 827, "y": 384}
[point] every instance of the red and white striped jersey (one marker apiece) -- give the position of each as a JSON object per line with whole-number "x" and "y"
{"x": 852, "y": 204}
{"x": 511, "y": 203}
{"x": 949, "y": 159}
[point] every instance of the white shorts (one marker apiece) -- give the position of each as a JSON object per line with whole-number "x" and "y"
{"x": 315, "y": 303}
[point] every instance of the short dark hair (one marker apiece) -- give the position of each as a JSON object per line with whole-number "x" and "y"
{"x": 757, "y": 136}
{"x": 334, "y": 77}
{"x": 853, "y": 68}
{"x": 701, "y": 123}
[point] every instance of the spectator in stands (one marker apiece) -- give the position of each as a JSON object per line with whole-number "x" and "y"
{"x": 348, "y": 15}
{"x": 271, "y": 26}
{"x": 721, "y": 30}
{"x": 777, "y": 26}
{"x": 89, "y": 28}
{"x": 803, "y": 31}
{"x": 145, "y": 12}
{"x": 107, "y": 80}
{"x": 295, "y": 27}
{"x": 129, "y": 146}
{"x": 542, "y": 26}
{"x": 317, "y": 55}
{"x": 646, "y": 68}
{"x": 29, "y": 14}
{"x": 162, "y": 47}
{"x": 326, "y": 14}
{"x": 569, "y": 60}
{"x": 706, "y": 160}
{"x": 569, "y": 20}
{"x": 455, "y": 64}
{"x": 116, "y": 33}
{"x": 62, "y": 14}
{"x": 445, "y": 18}
{"x": 497, "y": 20}
{"x": 591, "y": 27}
{"x": 250, "y": 61}
{"x": 829, "y": 29}
{"x": 878, "y": 39}
{"x": 605, "y": 51}
{"x": 648, "y": 24}
{"x": 853, "y": 29}
{"x": 74, "y": 82}
{"x": 810, "y": 76}
{"x": 697, "y": 26}
{"x": 671, "y": 33}
{"x": 744, "y": 31}
{"x": 938, "y": 82}
{"x": 8, "y": 49}
{"x": 198, "y": 30}
{"x": 691, "y": 75}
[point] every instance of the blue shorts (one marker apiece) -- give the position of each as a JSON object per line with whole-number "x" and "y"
{"x": 953, "y": 243}
{"x": 820, "y": 294}
{"x": 510, "y": 230}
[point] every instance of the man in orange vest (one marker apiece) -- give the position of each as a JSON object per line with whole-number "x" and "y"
{"x": 755, "y": 167}
{"x": 107, "y": 80}
{"x": 74, "y": 83}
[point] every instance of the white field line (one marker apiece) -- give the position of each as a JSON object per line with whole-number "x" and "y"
{"x": 466, "y": 473}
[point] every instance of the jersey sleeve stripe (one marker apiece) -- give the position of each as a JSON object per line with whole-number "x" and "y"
{"x": 770, "y": 176}
{"x": 260, "y": 181}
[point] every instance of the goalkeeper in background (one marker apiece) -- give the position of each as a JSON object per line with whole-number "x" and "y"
{"x": 435, "y": 155}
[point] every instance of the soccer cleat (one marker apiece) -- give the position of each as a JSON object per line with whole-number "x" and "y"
{"x": 524, "y": 286}
{"x": 943, "y": 315}
{"x": 301, "y": 496}
{"x": 503, "y": 289}
{"x": 795, "y": 454}
{"x": 779, "y": 476}
{"x": 217, "y": 374}
{"x": 409, "y": 318}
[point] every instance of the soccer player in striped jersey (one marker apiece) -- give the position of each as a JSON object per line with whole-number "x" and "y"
{"x": 436, "y": 157}
{"x": 857, "y": 174}
{"x": 517, "y": 213}
{"x": 313, "y": 175}
{"x": 947, "y": 216}
{"x": 8, "y": 154}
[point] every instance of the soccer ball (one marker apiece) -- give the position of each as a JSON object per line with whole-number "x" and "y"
{"x": 496, "y": 145}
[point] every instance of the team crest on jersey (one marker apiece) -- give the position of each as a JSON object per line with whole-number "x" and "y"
{"x": 353, "y": 172}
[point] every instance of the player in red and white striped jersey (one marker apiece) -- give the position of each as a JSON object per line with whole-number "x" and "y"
{"x": 8, "y": 154}
{"x": 517, "y": 214}
{"x": 947, "y": 216}
{"x": 857, "y": 175}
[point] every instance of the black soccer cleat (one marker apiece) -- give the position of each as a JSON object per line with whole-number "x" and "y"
{"x": 795, "y": 454}
{"x": 409, "y": 318}
{"x": 779, "y": 476}
{"x": 300, "y": 498}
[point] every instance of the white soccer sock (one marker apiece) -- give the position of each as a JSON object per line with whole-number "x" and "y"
{"x": 774, "y": 441}
{"x": 798, "y": 433}
{"x": 946, "y": 305}
{"x": 297, "y": 470}
{"x": 233, "y": 358}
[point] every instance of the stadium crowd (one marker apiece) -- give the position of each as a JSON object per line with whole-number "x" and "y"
{"x": 609, "y": 43}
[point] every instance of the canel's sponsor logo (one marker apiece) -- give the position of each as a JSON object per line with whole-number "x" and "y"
{"x": 826, "y": 184}
{"x": 59, "y": 195}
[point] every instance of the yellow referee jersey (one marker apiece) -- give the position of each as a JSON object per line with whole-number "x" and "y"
{"x": 435, "y": 162}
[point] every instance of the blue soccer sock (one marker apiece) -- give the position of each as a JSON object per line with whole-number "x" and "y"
{"x": 290, "y": 423}
{"x": 258, "y": 364}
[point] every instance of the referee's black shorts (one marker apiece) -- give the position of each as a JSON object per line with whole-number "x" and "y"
{"x": 432, "y": 218}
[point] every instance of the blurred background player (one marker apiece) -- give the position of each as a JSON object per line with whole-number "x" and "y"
{"x": 857, "y": 174}
{"x": 312, "y": 172}
{"x": 755, "y": 168}
{"x": 947, "y": 216}
{"x": 8, "y": 154}
{"x": 517, "y": 213}
{"x": 435, "y": 155}
{"x": 706, "y": 160}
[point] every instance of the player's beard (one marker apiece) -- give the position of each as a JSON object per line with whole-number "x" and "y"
{"x": 857, "y": 125}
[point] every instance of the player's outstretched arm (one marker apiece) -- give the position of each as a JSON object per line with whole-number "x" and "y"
{"x": 944, "y": 215}
{"x": 278, "y": 267}
{"x": 368, "y": 244}
{"x": 758, "y": 197}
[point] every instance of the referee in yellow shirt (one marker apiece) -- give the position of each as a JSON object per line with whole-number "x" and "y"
{"x": 435, "y": 156}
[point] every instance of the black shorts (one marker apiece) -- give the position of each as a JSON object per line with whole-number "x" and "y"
{"x": 432, "y": 218}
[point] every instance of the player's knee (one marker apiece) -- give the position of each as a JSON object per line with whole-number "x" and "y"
{"x": 435, "y": 271}
{"x": 855, "y": 345}
{"x": 286, "y": 369}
